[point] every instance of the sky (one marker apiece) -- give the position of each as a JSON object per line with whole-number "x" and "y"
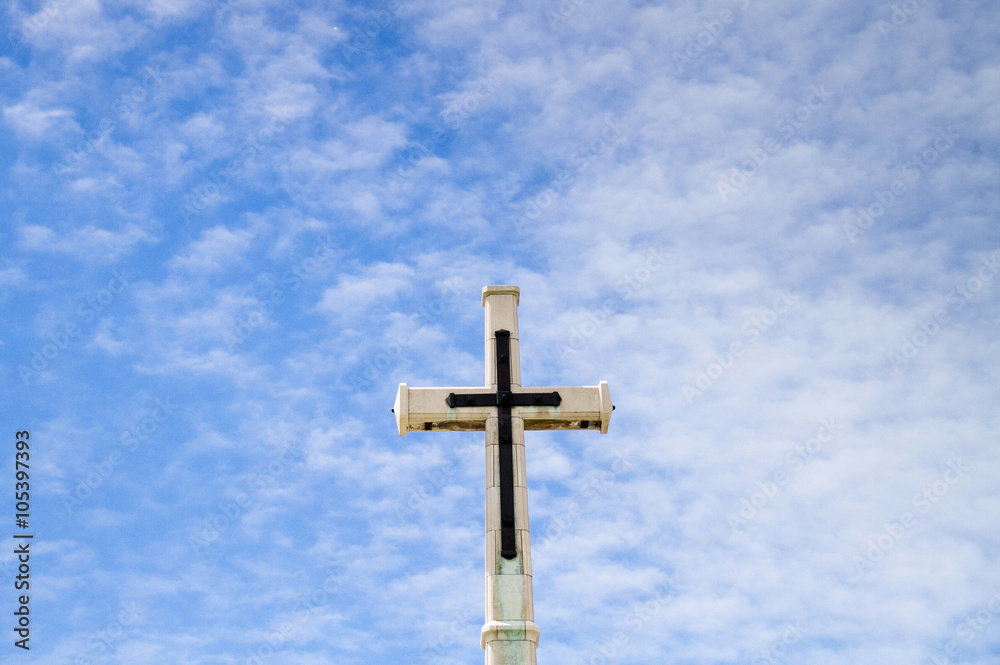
{"x": 231, "y": 228}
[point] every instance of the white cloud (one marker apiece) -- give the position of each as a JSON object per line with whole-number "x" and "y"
{"x": 379, "y": 283}
{"x": 79, "y": 31}
{"x": 30, "y": 120}
{"x": 367, "y": 144}
{"x": 88, "y": 244}
{"x": 202, "y": 127}
{"x": 104, "y": 339}
{"x": 217, "y": 249}
{"x": 12, "y": 276}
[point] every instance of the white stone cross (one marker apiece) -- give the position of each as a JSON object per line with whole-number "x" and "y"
{"x": 504, "y": 410}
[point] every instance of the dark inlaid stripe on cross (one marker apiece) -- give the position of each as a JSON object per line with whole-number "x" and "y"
{"x": 503, "y": 400}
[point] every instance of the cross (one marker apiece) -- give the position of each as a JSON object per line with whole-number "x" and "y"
{"x": 504, "y": 410}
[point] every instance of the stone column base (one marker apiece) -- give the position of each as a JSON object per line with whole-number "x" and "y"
{"x": 509, "y": 631}
{"x": 510, "y": 642}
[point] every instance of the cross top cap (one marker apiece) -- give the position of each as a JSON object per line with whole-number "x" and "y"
{"x": 502, "y": 290}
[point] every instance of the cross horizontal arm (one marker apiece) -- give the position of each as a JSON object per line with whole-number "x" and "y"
{"x": 581, "y": 407}
{"x": 420, "y": 409}
{"x": 424, "y": 409}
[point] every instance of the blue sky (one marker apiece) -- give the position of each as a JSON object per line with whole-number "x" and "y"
{"x": 231, "y": 229}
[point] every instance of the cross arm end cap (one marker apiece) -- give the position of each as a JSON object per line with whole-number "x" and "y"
{"x": 606, "y": 406}
{"x": 402, "y": 409}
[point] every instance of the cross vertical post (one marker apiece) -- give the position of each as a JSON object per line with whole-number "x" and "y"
{"x": 504, "y": 410}
{"x": 509, "y": 634}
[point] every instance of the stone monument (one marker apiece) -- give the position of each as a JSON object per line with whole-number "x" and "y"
{"x": 504, "y": 410}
